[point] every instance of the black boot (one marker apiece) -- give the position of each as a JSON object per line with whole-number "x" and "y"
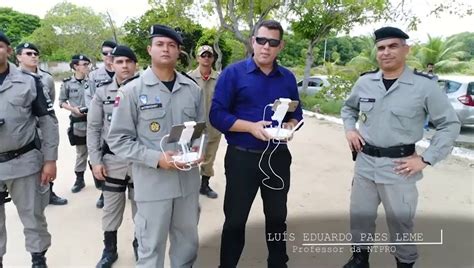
{"x": 100, "y": 201}
{"x": 404, "y": 264}
{"x": 205, "y": 189}
{"x": 79, "y": 184}
{"x": 1, "y": 262}
{"x": 109, "y": 255}
{"x": 135, "y": 248}
{"x": 54, "y": 199}
{"x": 359, "y": 259}
{"x": 38, "y": 260}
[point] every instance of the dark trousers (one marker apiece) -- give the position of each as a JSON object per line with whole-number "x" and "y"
{"x": 244, "y": 178}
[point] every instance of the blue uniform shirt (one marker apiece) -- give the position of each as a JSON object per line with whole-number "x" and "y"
{"x": 242, "y": 92}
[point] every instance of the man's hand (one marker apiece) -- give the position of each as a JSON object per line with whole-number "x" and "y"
{"x": 258, "y": 131}
{"x": 48, "y": 172}
{"x": 99, "y": 172}
{"x": 166, "y": 161}
{"x": 355, "y": 140}
{"x": 409, "y": 165}
{"x": 77, "y": 112}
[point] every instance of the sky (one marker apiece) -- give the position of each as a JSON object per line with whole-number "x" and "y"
{"x": 124, "y": 10}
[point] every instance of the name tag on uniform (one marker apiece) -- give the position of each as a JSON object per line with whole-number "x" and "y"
{"x": 366, "y": 100}
{"x": 108, "y": 102}
{"x": 151, "y": 106}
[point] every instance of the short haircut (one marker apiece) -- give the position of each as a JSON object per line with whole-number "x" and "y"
{"x": 429, "y": 63}
{"x": 271, "y": 25}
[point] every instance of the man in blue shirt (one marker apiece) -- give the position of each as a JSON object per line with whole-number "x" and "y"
{"x": 240, "y": 111}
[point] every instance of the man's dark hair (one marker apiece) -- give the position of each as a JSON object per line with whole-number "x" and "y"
{"x": 430, "y": 63}
{"x": 72, "y": 63}
{"x": 271, "y": 25}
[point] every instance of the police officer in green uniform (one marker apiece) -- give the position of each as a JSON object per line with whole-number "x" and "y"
{"x": 391, "y": 105}
{"x": 27, "y": 164}
{"x": 206, "y": 78}
{"x": 71, "y": 98}
{"x": 27, "y": 55}
{"x": 106, "y": 166}
{"x": 167, "y": 198}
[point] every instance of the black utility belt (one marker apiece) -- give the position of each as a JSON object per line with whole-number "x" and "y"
{"x": 257, "y": 151}
{"x": 391, "y": 152}
{"x": 106, "y": 149}
{"x": 77, "y": 119}
{"x": 7, "y": 156}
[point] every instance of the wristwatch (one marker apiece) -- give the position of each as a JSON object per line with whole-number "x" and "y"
{"x": 424, "y": 161}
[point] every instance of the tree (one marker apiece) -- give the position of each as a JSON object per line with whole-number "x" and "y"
{"x": 366, "y": 60}
{"x": 68, "y": 29}
{"x": 211, "y": 37}
{"x": 447, "y": 55}
{"x": 467, "y": 38}
{"x": 17, "y": 25}
{"x": 318, "y": 19}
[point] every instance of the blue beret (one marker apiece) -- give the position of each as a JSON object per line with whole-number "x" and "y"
{"x": 26, "y": 45}
{"x": 4, "y": 38}
{"x": 79, "y": 57}
{"x": 125, "y": 52}
{"x": 163, "y": 30}
{"x": 389, "y": 32}
{"x": 109, "y": 43}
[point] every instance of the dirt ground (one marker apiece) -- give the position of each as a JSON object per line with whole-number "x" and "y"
{"x": 318, "y": 203}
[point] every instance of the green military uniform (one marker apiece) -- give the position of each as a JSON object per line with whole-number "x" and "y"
{"x": 213, "y": 135}
{"x": 167, "y": 200}
{"x": 23, "y": 104}
{"x": 389, "y": 118}
{"x": 72, "y": 91}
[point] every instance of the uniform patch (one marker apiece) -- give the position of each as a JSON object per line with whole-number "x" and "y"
{"x": 143, "y": 99}
{"x": 363, "y": 117}
{"x": 151, "y": 106}
{"x": 157, "y": 99}
{"x": 155, "y": 126}
{"x": 117, "y": 98}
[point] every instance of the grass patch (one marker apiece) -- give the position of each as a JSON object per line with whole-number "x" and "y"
{"x": 321, "y": 105}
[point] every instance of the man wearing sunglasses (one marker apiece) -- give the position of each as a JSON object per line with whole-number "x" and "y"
{"x": 243, "y": 91}
{"x": 27, "y": 55}
{"x": 27, "y": 163}
{"x": 206, "y": 78}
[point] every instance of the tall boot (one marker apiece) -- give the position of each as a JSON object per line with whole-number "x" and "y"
{"x": 404, "y": 264}
{"x": 135, "y": 248}
{"x": 38, "y": 260}
{"x": 359, "y": 259}
{"x": 109, "y": 254}
{"x": 206, "y": 189}
{"x": 54, "y": 199}
{"x": 79, "y": 184}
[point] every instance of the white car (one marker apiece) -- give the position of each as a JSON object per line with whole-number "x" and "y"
{"x": 460, "y": 92}
{"x": 315, "y": 84}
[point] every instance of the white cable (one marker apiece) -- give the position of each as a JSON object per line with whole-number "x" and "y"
{"x": 270, "y": 166}
{"x": 188, "y": 166}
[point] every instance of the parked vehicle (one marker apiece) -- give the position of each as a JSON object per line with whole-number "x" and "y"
{"x": 460, "y": 92}
{"x": 315, "y": 84}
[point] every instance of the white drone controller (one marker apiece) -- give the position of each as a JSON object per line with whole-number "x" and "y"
{"x": 186, "y": 156}
{"x": 281, "y": 107}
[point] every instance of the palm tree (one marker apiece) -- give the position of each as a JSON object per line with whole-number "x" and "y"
{"x": 365, "y": 61}
{"x": 447, "y": 55}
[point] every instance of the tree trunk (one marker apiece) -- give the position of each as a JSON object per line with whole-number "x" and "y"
{"x": 218, "y": 51}
{"x": 307, "y": 67}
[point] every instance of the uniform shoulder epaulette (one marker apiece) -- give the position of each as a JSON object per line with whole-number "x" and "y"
{"x": 422, "y": 74}
{"x": 192, "y": 79}
{"x": 45, "y": 71}
{"x": 104, "y": 82}
{"x": 370, "y": 72}
{"x": 29, "y": 73}
{"x": 67, "y": 79}
{"x": 130, "y": 79}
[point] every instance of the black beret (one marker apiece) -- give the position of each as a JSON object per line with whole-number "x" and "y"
{"x": 389, "y": 32}
{"x": 79, "y": 57}
{"x": 4, "y": 38}
{"x": 163, "y": 30}
{"x": 125, "y": 52}
{"x": 26, "y": 45}
{"x": 109, "y": 43}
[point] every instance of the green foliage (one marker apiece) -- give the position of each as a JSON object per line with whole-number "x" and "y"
{"x": 137, "y": 32}
{"x": 467, "y": 38}
{"x": 294, "y": 52}
{"x": 68, "y": 29}
{"x": 321, "y": 105}
{"x": 17, "y": 25}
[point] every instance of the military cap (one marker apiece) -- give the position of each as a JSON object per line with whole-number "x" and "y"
{"x": 4, "y": 38}
{"x": 125, "y": 52}
{"x": 202, "y": 49}
{"x": 26, "y": 45}
{"x": 109, "y": 43}
{"x": 389, "y": 32}
{"x": 163, "y": 30}
{"x": 79, "y": 57}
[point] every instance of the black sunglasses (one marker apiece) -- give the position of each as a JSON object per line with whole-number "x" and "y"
{"x": 272, "y": 42}
{"x": 105, "y": 53}
{"x": 207, "y": 55}
{"x": 30, "y": 53}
